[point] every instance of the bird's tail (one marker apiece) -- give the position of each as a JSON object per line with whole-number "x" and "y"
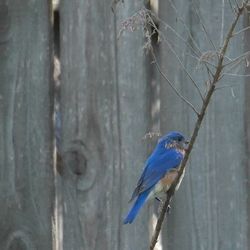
{"x": 136, "y": 207}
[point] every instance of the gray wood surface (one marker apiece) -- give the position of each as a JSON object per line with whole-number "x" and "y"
{"x": 134, "y": 103}
{"x": 104, "y": 119}
{"x": 26, "y": 184}
{"x": 210, "y": 209}
{"x": 111, "y": 95}
{"x": 246, "y": 160}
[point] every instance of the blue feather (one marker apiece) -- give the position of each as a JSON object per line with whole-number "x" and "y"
{"x": 164, "y": 158}
{"x": 136, "y": 207}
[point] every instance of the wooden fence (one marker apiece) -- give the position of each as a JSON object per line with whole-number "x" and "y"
{"x": 111, "y": 95}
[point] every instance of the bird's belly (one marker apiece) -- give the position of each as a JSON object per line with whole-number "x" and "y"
{"x": 165, "y": 183}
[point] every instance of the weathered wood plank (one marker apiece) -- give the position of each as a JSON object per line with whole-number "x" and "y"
{"x": 104, "y": 118}
{"x": 91, "y": 151}
{"x": 210, "y": 209}
{"x": 26, "y": 125}
{"x": 247, "y": 121}
{"x": 134, "y": 117}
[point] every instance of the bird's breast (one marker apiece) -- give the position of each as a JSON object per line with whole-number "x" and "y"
{"x": 165, "y": 183}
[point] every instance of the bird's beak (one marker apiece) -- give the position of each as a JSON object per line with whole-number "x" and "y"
{"x": 186, "y": 142}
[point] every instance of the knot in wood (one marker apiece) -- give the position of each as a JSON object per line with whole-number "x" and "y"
{"x": 76, "y": 165}
{"x": 74, "y": 162}
{"x": 19, "y": 240}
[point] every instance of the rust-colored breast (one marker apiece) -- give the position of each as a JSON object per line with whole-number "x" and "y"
{"x": 170, "y": 176}
{"x": 168, "y": 179}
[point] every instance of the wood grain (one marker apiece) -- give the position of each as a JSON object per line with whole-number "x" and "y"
{"x": 26, "y": 126}
{"x": 104, "y": 118}
{"x": 213, "y": 192}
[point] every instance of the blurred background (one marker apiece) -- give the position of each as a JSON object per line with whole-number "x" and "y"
{"x": 82, "y": 83}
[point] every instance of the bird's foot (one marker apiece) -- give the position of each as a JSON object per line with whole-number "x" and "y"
{"x": 161, "y": 205}
{"x": 168, "y": 209}
{"x": 158, "y": 199}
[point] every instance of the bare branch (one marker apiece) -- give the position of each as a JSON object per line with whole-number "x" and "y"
{"x": 238, "y": 75}
{"x": 174, "y": 31}
{"x": 206, "y": 64}
{"x": 228, "y": 86}
{"x": 172, "y": 84}
{"x": 231, "y": 6}
{"x": 204, "y": 29}
{"x": 234, "y": 63}
{"x": 184, "y": 25}
{"x": 210, "y": 79}
{"x": 198, "y": 123}
{"x": 236, "y": 3}
{"x": 184, "y": 68}
{"x": 202, "y": 61}
{"x": 228, "y": 58}
{"x": 151, "y": 135}
{"x": 134, "y": 22}
{"x": 222, "y": 21}
{"x": 225, "y": 86}
{"x": 240, "y": 31}
{"x": 177, "y": 57}
{"x": 144, "y": 18}
{"x": 243, "y": 56}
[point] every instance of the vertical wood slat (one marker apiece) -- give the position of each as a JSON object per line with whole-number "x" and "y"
{"x": 134, "y": 123}
{"x": 214, "y": 190}
{"x": 89, "y": 111}
{"x": 104, "y": 119}
{"x": 26, "y": 125}
{"x": 247, "y": 120}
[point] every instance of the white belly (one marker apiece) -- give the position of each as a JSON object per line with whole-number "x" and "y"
{"x": 163, "y": 185}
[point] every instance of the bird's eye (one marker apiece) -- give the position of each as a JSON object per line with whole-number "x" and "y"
{"x": 179, "y": 139}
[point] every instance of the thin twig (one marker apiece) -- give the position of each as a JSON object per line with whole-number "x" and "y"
{"x": 172, "y": 85}
{"x": 151, "y": 135}
{"x": 152, "y": 23}
{"x": 228, "y": 58}
{"x": 194, "y": 42}
{"x": 228, "y": 86}
{"x": 205, "y": 63}
{"x": 204, "y": 29}
{"x": 243, "y": 56}
{"x": 231, "y": 6}
{"x": 210, "y": 79}
{"x": 184, "y": 25}
{"x": 173, "y": 30}
{"x": 184, "y": 68}
{"x": 238, "y": 75}
{"x": 179, "y": 60}
{"x": 236, "y": 63}
{"x": 242, "y": 30}
{"x": 198, "y": 123}
{"x": 225, "y": 86}
{"x": 196, "y": 56}
{"x": 222, "y": 21}
{"x": 236, "y": 2}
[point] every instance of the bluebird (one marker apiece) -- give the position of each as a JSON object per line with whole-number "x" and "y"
{"x": 160, "y": 171}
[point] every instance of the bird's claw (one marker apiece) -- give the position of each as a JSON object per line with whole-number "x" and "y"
{"x": 158, "y": 199}
{"x": 168, "y": 209}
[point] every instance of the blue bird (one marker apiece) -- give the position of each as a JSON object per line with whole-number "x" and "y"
{"x": 160, "y": 171}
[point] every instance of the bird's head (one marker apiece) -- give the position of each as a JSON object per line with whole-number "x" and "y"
{"x": 173, "y": 139}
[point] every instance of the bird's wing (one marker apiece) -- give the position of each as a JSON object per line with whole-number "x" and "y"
{"x": 156, "y": 167}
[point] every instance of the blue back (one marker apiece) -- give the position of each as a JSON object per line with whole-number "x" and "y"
{"x": 158, "y": 164}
